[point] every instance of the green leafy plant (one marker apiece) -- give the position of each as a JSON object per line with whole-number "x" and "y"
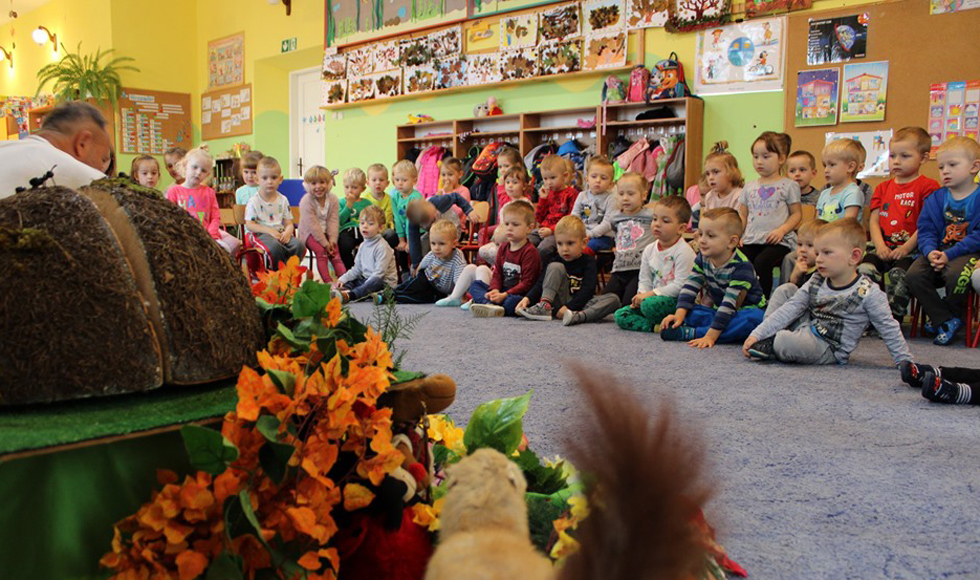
{"x": 78, "y": 76}
{"x": 392, "y": 325}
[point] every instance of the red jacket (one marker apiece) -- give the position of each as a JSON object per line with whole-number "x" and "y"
{"x": 554, "y": 207}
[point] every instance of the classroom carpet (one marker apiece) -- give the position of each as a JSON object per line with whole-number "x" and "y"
{"x": 819, "y": 472}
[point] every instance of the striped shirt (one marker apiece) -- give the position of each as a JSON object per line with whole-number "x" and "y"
{"x": 726, "y": 287}
{"x": 442, "y": 274}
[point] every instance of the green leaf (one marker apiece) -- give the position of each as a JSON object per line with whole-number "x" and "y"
{"x": 283, "y": 380}
{"x": 542, "y": 511}
{"x": 443, "y": 456}
{"x": 207, "y": 449}
{"x": 497, "y": 425}
{"x": 291, "y": 338}
{"x": 249, "y": 513}
{"x": 311, "y": 299}
{"x": 268, "y": 426}
{"x": 274, "y": 459}
{"x": 226, "y": 566}
{"x": 540, "y": 478}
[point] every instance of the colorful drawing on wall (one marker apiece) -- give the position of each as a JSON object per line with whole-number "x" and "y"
{"x": 386, "y": 55}
{"x": 747, "y": 56}
{"x": 875, "y": 144}
{"x": 388, "y": 84}
{"x": 334, "y": 92}
{"x": 837, "y": 39}
{"x": 446, "y": 42}
{"x": 519, "y": 64}
{"x": 816, "y": 97}
{"x": 561, "y": 22}
{"x": 450, "y": 72}
{"x": 360, "y": 62}
{"x": 558, "y": 57}
{"x": 334, "y": 67}
{"x": 354, "y": 21}
{"x": 482, "y": 36}
{"x": 519, "y": 31}
{"x": 946, "y": 6}
{"x": 482, "y": 69}
{"x": 603, "y": 16}
{"x": 414, "y": 51}
{"x": 757, "y": 8}
{"x": 226, "y": 61}
{"x": 480, "y": 8}
{"x": 647, "y": 13}
{"x": 954, "y": 111}
{"x": 688, "y": 15}
{"x": 419, "y": 79}
{"x": 605, "y": 50}
{"x": 360, "y": 89}
{"x": 864, "y": 91}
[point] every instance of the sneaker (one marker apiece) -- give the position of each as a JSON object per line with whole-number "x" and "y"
{"x": 486, "y": 310}
{"x": 447, "y": 301}
{"x": 763, "y": 349}
{"x": 466, "y": 305}
{"x": 912, "y": 373}
{"x": 681, "y": 333}
{"x": 571, "y": 318}
{"x": 947, "y": 331}
{"x": 938, "y": 390}
{"x": 540, "y": 311}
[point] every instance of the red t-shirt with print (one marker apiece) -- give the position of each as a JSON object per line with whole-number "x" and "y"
{"x": 898, "y": 206}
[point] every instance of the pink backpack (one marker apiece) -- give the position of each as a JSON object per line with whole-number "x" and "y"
{"x": 428, "y": 167}
{"x": 639, "y": 79}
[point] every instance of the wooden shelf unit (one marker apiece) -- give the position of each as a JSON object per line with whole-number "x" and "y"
{"x": 226, "y": 179}
{"x": 528, "y": 130}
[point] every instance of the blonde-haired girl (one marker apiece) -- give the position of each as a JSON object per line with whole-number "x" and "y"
{"x": 319, "y": 221}
{"x": 198, "y": 199}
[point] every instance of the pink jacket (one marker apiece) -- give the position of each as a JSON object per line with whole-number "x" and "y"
{"x": 310, "y": 223}
{"x": 201, "y": 203}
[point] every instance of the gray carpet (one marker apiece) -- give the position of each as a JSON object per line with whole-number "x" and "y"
{"x": 820, "y": 472}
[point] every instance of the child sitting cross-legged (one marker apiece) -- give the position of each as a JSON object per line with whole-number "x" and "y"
{"x": 374, "y": 265}
{"x": 727, "y": 277}
{"x": 439, "y": 269}
{"x": 569, "y": 279}
{"x": 422, "y": 213}
{"x": 665, "y": 266}
{"x": 823, "y": 321}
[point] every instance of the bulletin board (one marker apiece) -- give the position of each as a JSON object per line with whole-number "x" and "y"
{"x": 226, "y": 112}
{"x": 151, "y": 122}
{"x": 921, "y": 50}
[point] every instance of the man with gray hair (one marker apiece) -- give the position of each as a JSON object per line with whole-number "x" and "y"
{"x": 72, "y": 143}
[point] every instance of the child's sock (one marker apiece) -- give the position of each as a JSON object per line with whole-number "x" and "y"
{"x": 939, "y": 390}
{"x": 912, "y": 373}
{"x": 448, "y": 301}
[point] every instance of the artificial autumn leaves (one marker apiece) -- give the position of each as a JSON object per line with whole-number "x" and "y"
{"x": 271, "y": 506}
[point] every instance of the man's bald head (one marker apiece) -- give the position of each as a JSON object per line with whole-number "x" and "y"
{"x": 79, "y": 129}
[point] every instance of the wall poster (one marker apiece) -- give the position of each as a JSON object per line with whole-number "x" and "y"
{"x": 746, "y": 56}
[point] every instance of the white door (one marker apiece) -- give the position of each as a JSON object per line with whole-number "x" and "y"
{"x": 307, "y": 140}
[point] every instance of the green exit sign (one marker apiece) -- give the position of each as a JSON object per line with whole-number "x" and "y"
{"x": 288, "y": 45}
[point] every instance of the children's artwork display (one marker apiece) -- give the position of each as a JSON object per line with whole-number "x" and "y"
{"x": 482, "y": 36}
{"x": 226, "y": 61}
{"x": 954, "y": 111}
{"x": 747, "y": 56}
{"x": 605, "y": 50}
{"x": 414, "y": 51}
{"x": 334, "y": 92}
{"x": 388, "y": 84}
{"x": 419, "y": 79}
{"x": 817, "y": 97}
{"x": 603, "y": 16}
{"x": 561, "y": 22}
{"x": 447, "y": 42}
{"x": 688, "y": 15}
{"x": 519, "y": 64}
{"x": 450, "y": 72}
{"x": 560, "y": 57}
{"x": 864, "y": 92}
{"x": 946, "y": 6}
{"x": 360, "y": 62}
{"x": 483, "y": 69}
{"x": 334, "y": 67}
{"x": 361, "y": 89}
{"x": 647, "y": 13}
{"x": 17, "y": 108}
{"x": 757, "y": 8}
{"x": 386, "y": 55}
{"x": 352, "y": 21}
{"x": 520, "y": 31}
{"x": 875, "y": 144}
{"x": 837, "y": 39}
{"x": 226, "y": 112}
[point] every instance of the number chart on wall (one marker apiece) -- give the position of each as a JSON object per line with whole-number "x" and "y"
{"x": 151, "y": 122}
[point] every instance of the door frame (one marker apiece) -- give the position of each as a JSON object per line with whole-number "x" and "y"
{"x": 294, "y": 113}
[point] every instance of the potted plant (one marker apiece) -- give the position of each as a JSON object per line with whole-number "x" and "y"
{"x": 77, "y": 76}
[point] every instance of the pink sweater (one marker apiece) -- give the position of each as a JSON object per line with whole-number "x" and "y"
{"x": 321, "y": 222}
{"x": 201, "y": 203}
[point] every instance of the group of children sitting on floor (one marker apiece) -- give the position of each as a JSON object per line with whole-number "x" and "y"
{"x": 541, "y": 264}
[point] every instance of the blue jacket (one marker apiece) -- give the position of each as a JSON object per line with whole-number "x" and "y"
{"x": 932, "y": 227}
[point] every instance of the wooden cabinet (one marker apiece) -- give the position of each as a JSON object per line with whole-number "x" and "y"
{"x": 226, "y": 179}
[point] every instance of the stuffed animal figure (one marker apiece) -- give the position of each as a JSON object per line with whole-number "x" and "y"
{"x": 484, "y": 530}
{"x": 493, "y": 107}
{"x": 481, "y": 110}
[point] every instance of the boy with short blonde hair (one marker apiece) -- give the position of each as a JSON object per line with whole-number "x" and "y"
{"x": 555, "y": 201}
{"x": 842, "y": 160}
{"x": 422, "y": 213}
{"x": 268, "y": 217}
{"x": 515, "y": 271}
{"x": 594, "y": 201}
{"x": 374, "y": 265}
{"x": 350, "y": 208}
{"x": 405, "y": 176}
{"x": 439, "y": 269}
{"x": 377, "y": 184}
{"x": 823, "y": 322}
{"x": 569, "y": 279}
{"x": 949, "y": 239}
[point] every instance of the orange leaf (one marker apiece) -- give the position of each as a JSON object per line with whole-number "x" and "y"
{"x": 225, "y": 486}
{"x": 303, "y": 518}
{"x": 334, "y": 312}
{"x": 310, "y": 561}
{"x": 356, "y": 497}
{"x": 190, "y": 564}
{"x": 332, "y": 555}
{"x": 176, "y": 532}
{"x": 195, "y": 497}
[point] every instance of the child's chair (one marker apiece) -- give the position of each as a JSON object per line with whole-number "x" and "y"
{"x": 252, "y": 255}
{"x": 472, "y": 235}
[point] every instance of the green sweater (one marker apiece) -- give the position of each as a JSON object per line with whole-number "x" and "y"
{"x": 398, "y": 206}
{"x": 351, "y": 219}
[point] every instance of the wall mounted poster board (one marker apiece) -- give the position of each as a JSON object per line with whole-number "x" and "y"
{"x": 226, "y": 112}
{"x": 837, "y": 39}
{"x": 954, "y": 111}
{"x": 150, "y": 122}
{"x": 746, "y": 56}
{"x": 226, "y": 61}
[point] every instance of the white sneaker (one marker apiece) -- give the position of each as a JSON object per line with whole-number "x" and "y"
{"x": 486, "y": 310}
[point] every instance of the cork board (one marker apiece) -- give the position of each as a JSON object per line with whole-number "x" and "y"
{"x": 920, "y": 49}
{"x": 226, "y": 112}
{"x": 151, "y": 122}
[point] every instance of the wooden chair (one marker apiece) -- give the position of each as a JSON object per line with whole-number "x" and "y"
{"x": 809, "y": 214}
{"x": 471, "y": 237}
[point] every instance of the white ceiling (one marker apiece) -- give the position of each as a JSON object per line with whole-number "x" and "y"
{"x": 22, "y": 7}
